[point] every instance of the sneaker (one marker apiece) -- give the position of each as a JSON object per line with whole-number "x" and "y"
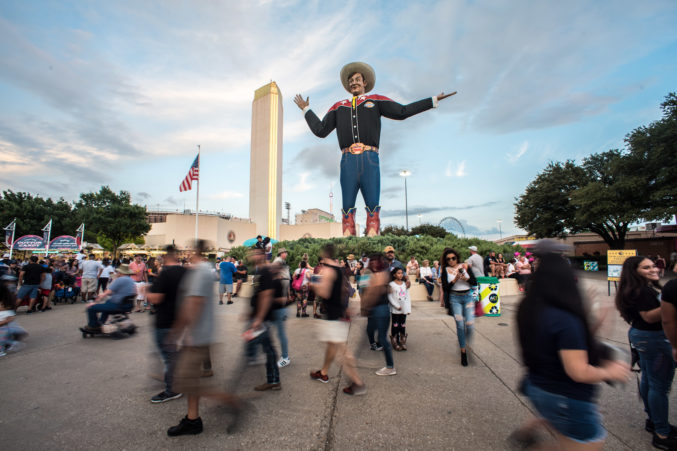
{"x": 220, "y": 302}
{"x": 267, "y": 386}
{"x": 283, "y": 362}
{"x": 464, "y": 358}
{"x": 318, "y": 376}
{"x": 185, "y": 427}
{"x": 356, "y": 390}
{"x": 304, "y": 315}
{"x": 229, "y": 302}
{"x": 669, "y": 442}
{"x": 649, "y": 427}
{"x": 385, "y": 371}
{"x": 298, "y": 315}
{"x": 164, "y": 397}
{"x": 2, "y": 353}
{"x": 376, "y": 347}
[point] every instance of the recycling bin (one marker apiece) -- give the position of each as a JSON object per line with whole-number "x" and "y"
{"x": 489, "y": 297}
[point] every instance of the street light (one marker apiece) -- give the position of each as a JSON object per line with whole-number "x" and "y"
{"x": 419, "y": 218}
{"x": 500, "y": 232}
{"x": 405, "y": 173}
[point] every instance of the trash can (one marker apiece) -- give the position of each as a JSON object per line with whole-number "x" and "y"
{"x": 489, "y": 298}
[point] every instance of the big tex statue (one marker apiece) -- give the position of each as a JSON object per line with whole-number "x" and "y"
{"x": 358, "y": 127}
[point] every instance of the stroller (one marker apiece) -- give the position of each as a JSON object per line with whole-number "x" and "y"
{"x": 118, "y": 326}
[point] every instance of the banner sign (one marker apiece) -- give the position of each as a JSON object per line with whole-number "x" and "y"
{"x": 29, "y": 243}
{"x": 615, "y": 260}
{"x": 64, "y": 243}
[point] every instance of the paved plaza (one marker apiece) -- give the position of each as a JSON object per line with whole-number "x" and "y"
{"x": 66, "y": 392}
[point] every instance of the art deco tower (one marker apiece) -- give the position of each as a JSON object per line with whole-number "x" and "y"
{"x": 265, "y": 169}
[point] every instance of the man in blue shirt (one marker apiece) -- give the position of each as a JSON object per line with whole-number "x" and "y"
{"x": 227, "y": 269}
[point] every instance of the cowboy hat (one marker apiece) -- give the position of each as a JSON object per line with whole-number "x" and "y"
{"x": 357, "y": 67}
{"x": 124, "y": 269}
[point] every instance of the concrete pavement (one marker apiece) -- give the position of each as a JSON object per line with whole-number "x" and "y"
{"x": 65, "y": 392}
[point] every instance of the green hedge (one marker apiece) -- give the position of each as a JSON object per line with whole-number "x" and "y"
{"x": 421, "y": 247}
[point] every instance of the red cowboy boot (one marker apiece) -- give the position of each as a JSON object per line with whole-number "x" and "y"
{"x": 349, "y": 222}
{"x": 373, "y": 221}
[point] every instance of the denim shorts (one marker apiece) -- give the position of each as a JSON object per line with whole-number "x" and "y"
{"x": 28, "y": 290}
{"x": 577, "y": 420}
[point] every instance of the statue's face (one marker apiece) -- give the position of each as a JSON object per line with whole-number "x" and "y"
{"x": 356, "y": 84}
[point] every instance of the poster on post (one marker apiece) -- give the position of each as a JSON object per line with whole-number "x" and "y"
{"x": 615, "y": 260}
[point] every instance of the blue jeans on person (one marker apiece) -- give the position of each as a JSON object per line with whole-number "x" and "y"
{"x": 429, "y": 284}
{"x": 168, "y": 352}
{"x": 279, "y": 316}
{"x": 658, "y": 370}
{"x": 105, "y": 309}
{"x": 463, "y": 308}
{"x": 360, "y": 173}
{"x": 378, "y": 321}
{"x": 263, "y": 340}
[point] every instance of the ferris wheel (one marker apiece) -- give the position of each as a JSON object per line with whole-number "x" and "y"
{"x": 452, "y": 225}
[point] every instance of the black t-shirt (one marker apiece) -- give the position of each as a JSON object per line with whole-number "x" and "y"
{"x": 32, "y": 273}
{"x": 262, "y": 281}
{"x": 167, "y": 283}
{"x": 558, "y": 330}
{"x": 669, "y": 293}
{"x": 240, "y": 276}
{"x": 647, "y": 300}
{"x": 335, "y": 306}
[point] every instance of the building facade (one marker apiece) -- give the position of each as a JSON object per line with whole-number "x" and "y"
{"x": 265, "y": 170}
{"x": 313, "y": 216}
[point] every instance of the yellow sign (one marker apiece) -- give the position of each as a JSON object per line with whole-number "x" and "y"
{"x": 615, "y": 260}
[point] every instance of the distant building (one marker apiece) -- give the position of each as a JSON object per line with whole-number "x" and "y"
{"x": 314, "y": 216}
{"x": 265, "y": 170}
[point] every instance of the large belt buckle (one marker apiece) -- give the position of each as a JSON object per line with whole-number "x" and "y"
{"x": 356, "y": 148}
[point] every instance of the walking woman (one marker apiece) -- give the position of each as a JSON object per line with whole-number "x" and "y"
{"x": 400, "y": 307}
{"x": 562, "y": 358}
{"x": 456, "y": 284}
{"x": 374, "y": 305}
{"x": 638, "y": 302}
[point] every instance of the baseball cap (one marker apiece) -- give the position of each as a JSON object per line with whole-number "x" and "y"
{"x": 388, "y": 249}
{"x": 473, "y": 248}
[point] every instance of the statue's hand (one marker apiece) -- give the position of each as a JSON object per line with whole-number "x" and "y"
{"x": 298, "y": 100}
{"x": 442, "y": 95}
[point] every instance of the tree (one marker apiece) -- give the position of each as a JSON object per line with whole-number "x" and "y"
{"x": 652, "y": 158}
{"x": 430, "y": 230}
{"x": 32, "y": 213}
{"x": 112, "y": 217}
{"x": 394, "y": 230}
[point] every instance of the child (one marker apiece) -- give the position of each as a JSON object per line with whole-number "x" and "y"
{"x": 400, "y": 307}
{"x": 10, "y": 333}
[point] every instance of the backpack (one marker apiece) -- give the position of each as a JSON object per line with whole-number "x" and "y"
{"x": 298, "y": 280}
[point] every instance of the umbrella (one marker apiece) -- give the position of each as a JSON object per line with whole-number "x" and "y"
{"x": 252, "y": 241}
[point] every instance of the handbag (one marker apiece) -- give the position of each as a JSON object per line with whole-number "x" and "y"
{"x": 298, "y": 282}
{"x": 478, "y": 309}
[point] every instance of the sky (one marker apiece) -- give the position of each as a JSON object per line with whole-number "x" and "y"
{"x": 122, "y": 93}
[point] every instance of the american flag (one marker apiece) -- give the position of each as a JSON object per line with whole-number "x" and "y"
{"x": 193, "y": 174}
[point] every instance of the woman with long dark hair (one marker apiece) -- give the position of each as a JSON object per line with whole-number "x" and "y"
{"x": 457, "y": 282}
{"x": 562, "y": 358}
{"x": 638, "y": 302}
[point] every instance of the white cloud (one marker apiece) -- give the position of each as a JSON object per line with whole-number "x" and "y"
{"x": 302, "y": 184}
{"x": 455, "y": 170}
{"x": 513, "y": 157}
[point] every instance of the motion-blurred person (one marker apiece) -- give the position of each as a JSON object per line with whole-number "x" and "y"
{"x": 300, "y": 285}
{"x": 261, "y": 316}
{"x": 334, "y": 330}
{"x": 195, "y": 322}
{"x": 11, "y": 333}
{"x": 282, "y": 299}
{"x": 458, "y": 299}
{"x": 116, "y": 298}
{"x": 140, "y": 277}
{"x": 637, "y": 301}
{"x": 562, "y": 358}
{"x": 400, "y": 307}
{"x": 163, "y": 295}
{"x": 240, "y": 276}
{"x": 374, "y": 304}
{"x": 312, "y": 297}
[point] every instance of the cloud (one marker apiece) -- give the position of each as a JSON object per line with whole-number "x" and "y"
{"x": 513, "y": 157}
{"x": 171, "y": 200}
{"x": 143, "y": 195}
{"x": 321, "y": 159}
{"x": 302, "y": 184}
{"x": 459, "y": 170}
{"x": 425, "y": 210}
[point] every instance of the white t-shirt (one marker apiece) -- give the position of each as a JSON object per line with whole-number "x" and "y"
{"x": 426, "y": 271}
{"x": 90, "y": 269}
{"x": 305, "y": 275}
{"x": 398, "y": 296}
{"x": 107, "y": 271}
{"x": 80, "y": 257}
{"x": 4, "y": 314}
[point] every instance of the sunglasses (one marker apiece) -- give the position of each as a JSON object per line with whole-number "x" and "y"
{"x": 451, "y": 257}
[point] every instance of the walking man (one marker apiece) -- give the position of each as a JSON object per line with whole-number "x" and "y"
{"x": 227, "y": 270}
{"x": 358, "y": 127}
{"x": 90, "y": 270}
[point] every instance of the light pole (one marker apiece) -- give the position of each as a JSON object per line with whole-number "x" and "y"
{"x": 500, "y": 232}
{"x": 419, "y": 218}
{"x": 405, "y": 173}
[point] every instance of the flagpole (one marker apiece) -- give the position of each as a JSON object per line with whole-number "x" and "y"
{"x": 11, "y": 248}
{"x": 197, "y": 193}
{"x": 82, "y": 238}
{"x": 49, "y": 235}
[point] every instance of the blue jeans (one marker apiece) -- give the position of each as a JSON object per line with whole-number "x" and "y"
{"x": 463, "y": 307}
{"x": 169, "y": 354}
{"x": 279, "y": 316}
{"x": 263, "y": 340}
{"x": 360, "y": 172}
{"x": 378, "y": 321}
{"x": 658, "y": 370}
{"x": 105, "y": 309}
{"x": 429, "y": 284}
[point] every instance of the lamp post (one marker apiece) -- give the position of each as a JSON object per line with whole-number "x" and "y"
{"x": 500, "y": 232}
{"x": 419, "y": 218}
{"x": 405, "y": 173}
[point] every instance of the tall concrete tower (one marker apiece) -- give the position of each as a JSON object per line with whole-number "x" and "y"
{"x": 265, "y": 169}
